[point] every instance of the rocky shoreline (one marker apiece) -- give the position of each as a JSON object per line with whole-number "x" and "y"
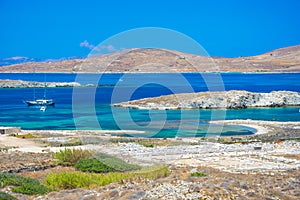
{"x": 234, "y": 99}
{"x": 30, "y": 84}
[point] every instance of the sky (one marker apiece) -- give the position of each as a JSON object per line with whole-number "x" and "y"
{"x": 53, "y": 29}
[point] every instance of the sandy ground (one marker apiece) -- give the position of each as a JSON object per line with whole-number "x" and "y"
{"x": 23, "y": 145}
{"x": 227, "y": 157}
{"x": 20, "y": 144}
{"x": 262, "y": 127}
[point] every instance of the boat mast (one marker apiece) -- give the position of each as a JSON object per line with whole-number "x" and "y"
{"x": 34, "y": 85}
{"x": 45, "y": 85}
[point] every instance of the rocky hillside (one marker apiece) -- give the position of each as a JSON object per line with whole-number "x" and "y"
{"x": 162, "y": 60}
{"x": 211, "y": 100}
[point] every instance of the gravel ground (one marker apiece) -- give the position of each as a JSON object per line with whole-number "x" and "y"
{"x": 234, "y": 171}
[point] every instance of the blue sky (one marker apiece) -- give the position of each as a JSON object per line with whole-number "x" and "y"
{"x": 55, "y": 29}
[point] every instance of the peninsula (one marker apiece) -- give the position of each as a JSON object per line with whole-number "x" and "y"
{"x": 234, "y": 99}
{"x": 30, "y": 84}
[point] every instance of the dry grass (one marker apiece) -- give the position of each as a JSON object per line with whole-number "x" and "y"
{"x": 289, "y": 156}
{"x": 26, "y": 136}
{"x": 220, "y": 184}
{"x": 41, "y": 175}
{"x": 149, "y": 142}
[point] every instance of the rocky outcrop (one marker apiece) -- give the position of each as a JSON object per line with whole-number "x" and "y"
{"x": 29, "y": 84}
{"x": 213, "y": 100}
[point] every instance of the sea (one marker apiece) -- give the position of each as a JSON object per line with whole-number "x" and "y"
{"x": 89, "y": 108}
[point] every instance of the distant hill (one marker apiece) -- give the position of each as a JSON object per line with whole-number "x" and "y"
{"x": 163, "y": 60}
{"x": 16, "y": 60}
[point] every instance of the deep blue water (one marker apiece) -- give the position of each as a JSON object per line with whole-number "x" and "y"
{"x": 232, "y": 81}
{"x": 91, "y": 108}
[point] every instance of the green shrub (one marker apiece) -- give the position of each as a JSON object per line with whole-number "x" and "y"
{"x": 22, "y": 184}
{"x": 68, "y": 157}
{"x": 116, "y": 163}
{"x": 92, "y": 165}
{"x": 104, "y": 165}
{"x": 71, "y": 180}
{"x": 5, "y": 196}
{"x": 197, "y": 174}
{"x": 31, "y": 188}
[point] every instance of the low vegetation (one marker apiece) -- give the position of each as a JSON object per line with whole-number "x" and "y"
{"x": 65, "y": 144}
{"x": 198, "y": 174}
{"x": 100, "y": 170}
{"x": 69, "y": 157}
{"x": 22, "y": 184}
{"x": 92, "y": 165}
{"x": 85, "y": 161}
{"x": 115, "y": 163}
{"x": 26, "y": 136}
{"x": 104, "y": 165}
{"x": 149, "y": 142}
{"x": 70, "y": 180}
{"x": 5, "y": 196}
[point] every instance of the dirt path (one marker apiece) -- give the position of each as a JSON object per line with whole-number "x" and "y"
{"x": 20, "y": 144}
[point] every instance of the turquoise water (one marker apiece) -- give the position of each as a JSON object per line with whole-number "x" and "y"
{"x": 84, "y": 115}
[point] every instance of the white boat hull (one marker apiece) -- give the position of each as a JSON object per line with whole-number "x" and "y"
{"x": 40, "y": 102}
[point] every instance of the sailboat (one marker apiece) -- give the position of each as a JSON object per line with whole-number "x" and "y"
{"x": 40, "y": 102}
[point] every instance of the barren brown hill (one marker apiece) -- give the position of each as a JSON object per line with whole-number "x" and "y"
{"x": 162, "y": 60}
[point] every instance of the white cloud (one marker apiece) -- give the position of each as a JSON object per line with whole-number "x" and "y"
{"x": 110, "y": 48}
{"x": 106, "y": 48}
{"x": 100, "y": 48}
{"x": 15, "y": 58}
{"x": 86, "y": 44}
